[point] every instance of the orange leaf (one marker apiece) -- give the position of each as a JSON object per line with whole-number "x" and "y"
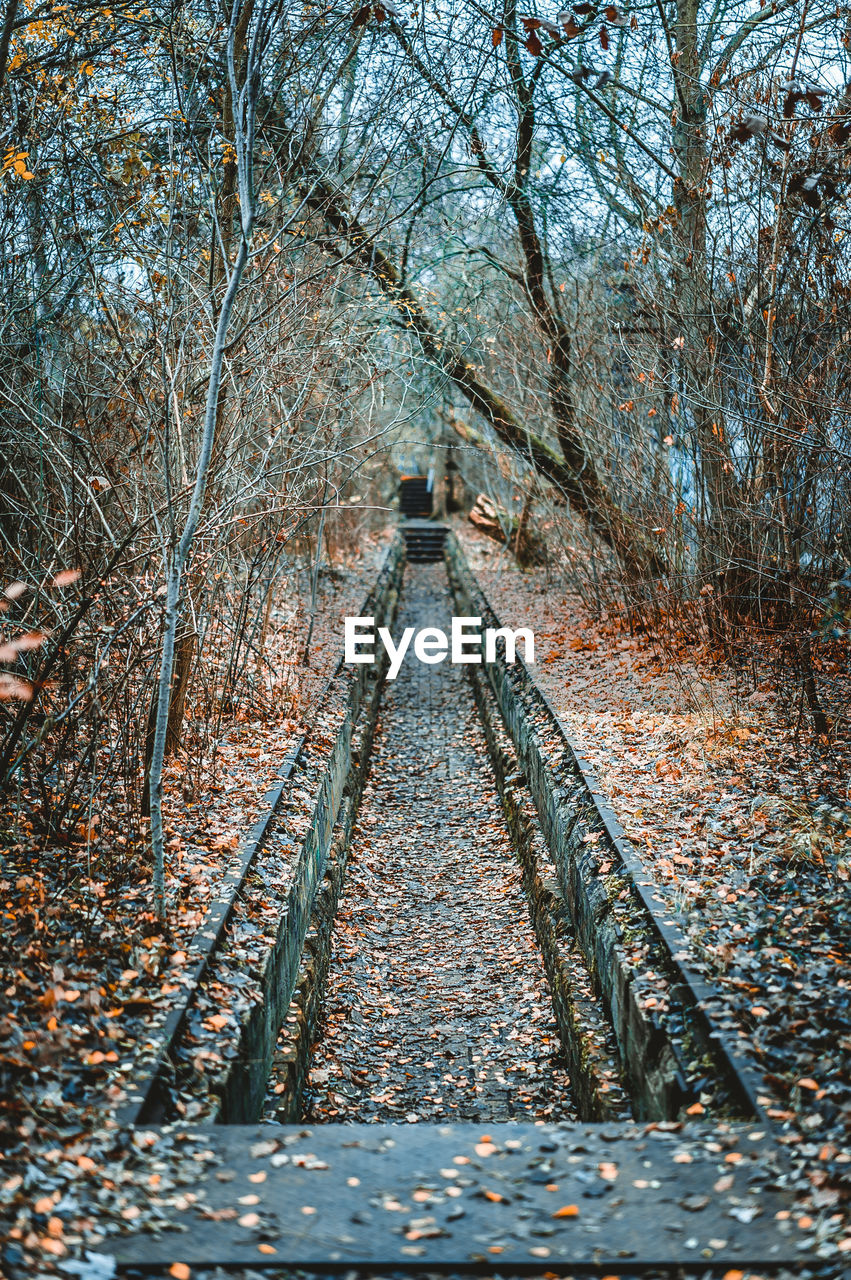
{"x": 496, "y": 36}
{"x": 567, "y": 1211}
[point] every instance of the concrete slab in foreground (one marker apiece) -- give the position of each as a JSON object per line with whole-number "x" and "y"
{"x": 506, "y": 1197}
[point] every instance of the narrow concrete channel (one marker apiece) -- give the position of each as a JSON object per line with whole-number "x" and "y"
{"x": 437, "y": 1005}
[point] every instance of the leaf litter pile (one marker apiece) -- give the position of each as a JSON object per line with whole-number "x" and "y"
{"x": 746, "y": 829}
{"x": 437, "y": 1005}
{"x": 89, "y": 977}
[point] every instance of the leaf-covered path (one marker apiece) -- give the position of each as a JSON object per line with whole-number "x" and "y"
{"x": 437, "y": 1003}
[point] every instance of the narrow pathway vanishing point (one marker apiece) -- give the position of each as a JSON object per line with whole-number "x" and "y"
{"x": 437, "y": 1005}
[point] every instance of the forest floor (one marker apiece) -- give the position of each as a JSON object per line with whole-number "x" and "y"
{"x": 88, "y": 975}
{"x": 745, "y": 823}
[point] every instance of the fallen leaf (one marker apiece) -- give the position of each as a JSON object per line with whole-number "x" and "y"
{"x": 567, "y": 1211}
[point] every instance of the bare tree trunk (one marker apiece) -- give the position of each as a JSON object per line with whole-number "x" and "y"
{"x": 521, "y": 549}
{"x": 184, "y": 651}
{"x": 267, "y": 617}
{"x": 174, "y": 579}
{"x": 6, "y": 36}
{"x": 241, "y": 89}
{"x": 314, "y": 582}
{"x": 722, "y": 551}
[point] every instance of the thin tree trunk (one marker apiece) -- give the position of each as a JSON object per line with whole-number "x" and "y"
{"x": 5, "y": 38}
{"x": 184, "y": 652}
{"x": 267, "y": 616}
{"x": 239, "y": 73}
{"x": 314, "y": 583}
{"x": 174, "y": 580}
{"x": 722, "y": 550}
{"x": 521, "y": 550}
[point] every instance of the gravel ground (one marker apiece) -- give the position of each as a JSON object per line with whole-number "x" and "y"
{"x": 437, "y": 1004}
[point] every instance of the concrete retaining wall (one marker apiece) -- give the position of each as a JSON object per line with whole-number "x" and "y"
{"x": 663, "y": 1062}
{"x": 291, "y": 1059}
{"x": 318, "y": 866}
{"x": 587, "y": 1039}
